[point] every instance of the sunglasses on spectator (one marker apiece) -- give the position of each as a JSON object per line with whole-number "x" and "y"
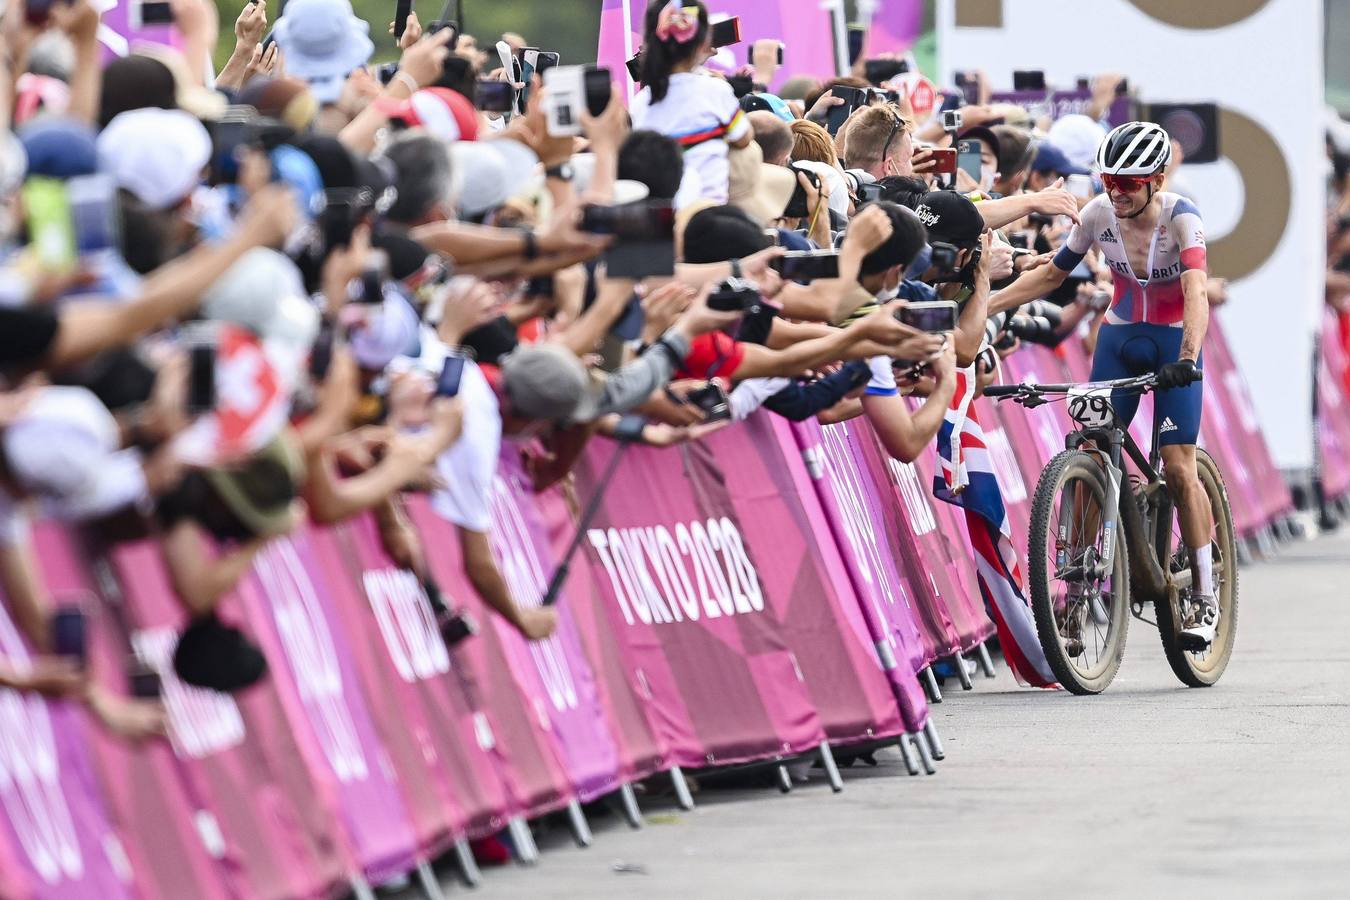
{"x": 896, "y": 124}
{"x": 1125, "y": 184}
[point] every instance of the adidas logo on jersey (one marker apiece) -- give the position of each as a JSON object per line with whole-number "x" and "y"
{"x": 1167, "y": 425}
{"x": 1108, "y": 237}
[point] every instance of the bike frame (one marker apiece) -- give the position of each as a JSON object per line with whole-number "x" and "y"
{"x": 1112, "y": 444}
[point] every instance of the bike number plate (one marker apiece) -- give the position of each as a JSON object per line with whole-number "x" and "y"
{"x": 1091, "y": 407}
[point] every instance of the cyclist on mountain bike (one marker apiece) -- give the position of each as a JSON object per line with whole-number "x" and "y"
{"x": 1156, "y": 323}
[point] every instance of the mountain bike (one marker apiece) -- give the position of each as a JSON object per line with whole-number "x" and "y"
{"x": 1105, "y": 545}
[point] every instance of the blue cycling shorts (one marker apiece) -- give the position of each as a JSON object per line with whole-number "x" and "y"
{"x": 1127, "y": 351}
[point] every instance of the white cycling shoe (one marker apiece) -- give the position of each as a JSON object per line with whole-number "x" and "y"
{"x": 1202, "y": 621}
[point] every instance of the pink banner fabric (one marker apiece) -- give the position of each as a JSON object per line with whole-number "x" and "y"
{"x": 842, "y": 482}
{"x": 858, "y": 700}
{"x": 253, "y": 787}
{"x": 55, "y": 837}
{"x": 698, "y": 595}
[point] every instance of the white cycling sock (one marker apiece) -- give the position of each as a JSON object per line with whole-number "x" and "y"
{"x": 1204, "y": 570}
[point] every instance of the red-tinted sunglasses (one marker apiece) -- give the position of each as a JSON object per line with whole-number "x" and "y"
{"x": 1125, "y": 184}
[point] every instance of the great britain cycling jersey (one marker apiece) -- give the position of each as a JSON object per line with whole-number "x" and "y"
{"x": 1178, "y": 245}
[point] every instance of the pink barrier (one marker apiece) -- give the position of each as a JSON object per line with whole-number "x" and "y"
{"x": 145, "y": 795}
{"x": 451, "y": 782}
{"x": 55, "y": 838}
{"x": 1245, "y": 427}
{"x": 251, "y": 785}
{"x": 698, "y": 593}
{"x": 832, "y": 622}
{"x": 516, "y": 731}
{"x": 939, "y": 533}
{"x": 862, "y": 532}
{"x": 312, "y": 668}
{"x": 1333, "y": 411}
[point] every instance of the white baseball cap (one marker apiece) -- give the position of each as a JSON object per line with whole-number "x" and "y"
{"x": 156, "y": 154}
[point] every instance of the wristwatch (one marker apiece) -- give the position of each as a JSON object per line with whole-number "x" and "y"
{"x": 562, "y": 172}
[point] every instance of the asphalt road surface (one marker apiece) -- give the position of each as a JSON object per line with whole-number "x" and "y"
{"x": 1149, "y": 790}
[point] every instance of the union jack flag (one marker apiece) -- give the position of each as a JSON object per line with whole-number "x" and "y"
{"x": 965, "y": 478}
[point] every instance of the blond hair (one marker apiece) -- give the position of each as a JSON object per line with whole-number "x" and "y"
{"x": 868, "y": 132}
{"x": 812, "y": 142}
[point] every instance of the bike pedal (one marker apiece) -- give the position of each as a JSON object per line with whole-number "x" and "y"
{"x": 1193, "y": 644}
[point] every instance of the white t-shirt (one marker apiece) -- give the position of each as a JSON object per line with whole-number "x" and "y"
{"x": 700, "y": 113}
{"x": 470, "y": 464}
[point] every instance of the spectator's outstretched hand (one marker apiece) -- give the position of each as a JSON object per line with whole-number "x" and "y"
{"x": 412, "y": 31}
{"x": 883, "y": 327}
{"x": 423, "y": 60}
{"x": 251, "y": 24}
{"x": 755, "y": 265}
{"x": 607, "y": 131}
{"x": 699, "y": 319}
{"x": 536, "y": 623}
{"x": 1000, "y": 255}
{"x": 1055, "y": 201}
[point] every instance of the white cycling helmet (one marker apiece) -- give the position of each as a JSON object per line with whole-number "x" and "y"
{"x": 1135, "y": 148}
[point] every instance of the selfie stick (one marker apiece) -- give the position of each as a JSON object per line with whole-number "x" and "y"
{"x": 628, "y": 432}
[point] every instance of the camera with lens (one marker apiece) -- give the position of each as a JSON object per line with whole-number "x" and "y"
{"x": 241, "y": 128}
{"x": 734, "y": 295}
{"x": 1036, "y": 323}
{"x": 944, "y": 257}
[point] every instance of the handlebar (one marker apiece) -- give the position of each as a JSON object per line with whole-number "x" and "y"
{"x": 1144, "y": 382}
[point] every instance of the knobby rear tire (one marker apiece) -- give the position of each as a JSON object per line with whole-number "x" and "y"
{"x": 1195, "y": 670}
{"x": 1065, "y": 467}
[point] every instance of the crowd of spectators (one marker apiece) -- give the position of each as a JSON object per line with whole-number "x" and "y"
{"x": 306, "y": 286}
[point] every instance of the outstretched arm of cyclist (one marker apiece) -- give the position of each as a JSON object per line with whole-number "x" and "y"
{"x": 1029, "y": 286}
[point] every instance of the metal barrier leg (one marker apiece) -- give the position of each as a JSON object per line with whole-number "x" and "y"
{"x": 986, "y": 661}
{"x": 961, "y": 671}
{"x": 784, "y": 780}
{"x": 925, "y": 757}
{"x": 682, "y": 795}
{"x": 527, "y": 852}
{"x": 832, "y": 770}
{"x": 1264, "y": 543}
{"x": 930, "y": 685}
{"x": 581, "y": 829}
{"x": 468, "y": 866}
{"x": 431, "y": 887}
{"x": 628, "y": 800}
{"x": 934, "y": 742}
{"x": 361, "y": 888}
{"x": 909, "y": 754}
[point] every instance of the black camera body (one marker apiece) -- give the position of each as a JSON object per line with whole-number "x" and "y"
{"x": 734, "y": 295}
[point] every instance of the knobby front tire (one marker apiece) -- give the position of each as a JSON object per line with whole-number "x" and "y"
{"x": 1071, "y": 493}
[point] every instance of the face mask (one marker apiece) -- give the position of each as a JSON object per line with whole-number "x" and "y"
{"x": 987, "y": 174}
{"x": 886, "y": 295}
